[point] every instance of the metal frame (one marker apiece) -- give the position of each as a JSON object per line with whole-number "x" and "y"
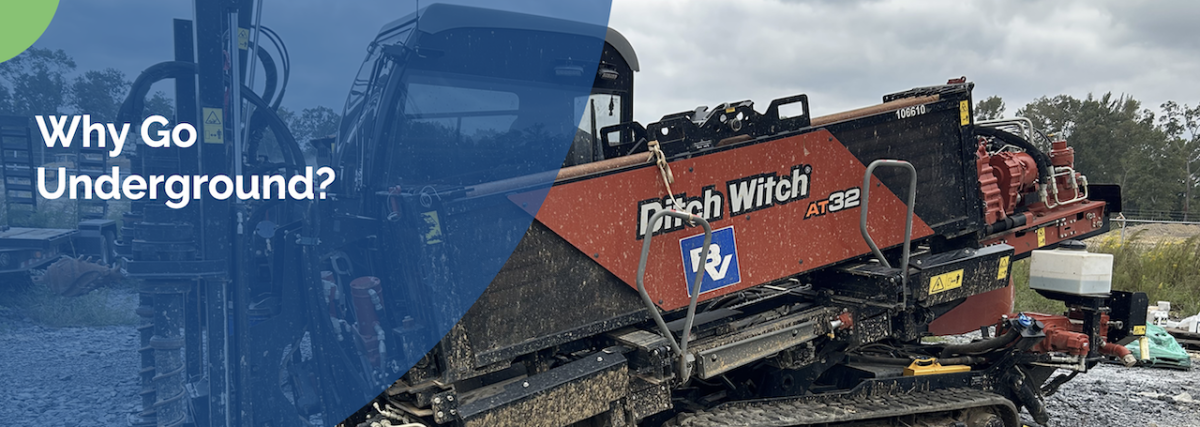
{"x": 680, "y": 347}
{"x": 908, "y": 220}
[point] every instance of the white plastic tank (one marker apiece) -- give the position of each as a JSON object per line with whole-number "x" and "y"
{"x": 1071, "y": 269}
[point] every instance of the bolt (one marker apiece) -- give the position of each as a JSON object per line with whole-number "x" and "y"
{"x": 437, "y": 401}
{"x": 525, "y": 384}
{"x": 441, "y": 414}
{"x": 449, "y": 398}
{"x": 599, "y": 359}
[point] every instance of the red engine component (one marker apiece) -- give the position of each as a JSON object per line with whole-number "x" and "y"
{"x": 366, "y": 293}
{"x": 988, "y": 184}
{"x": 1061, "y": 154}
{"x": 1016, "y": 174}
{"x": 1063, "y": 335}
{"x": 1003, "y": 178}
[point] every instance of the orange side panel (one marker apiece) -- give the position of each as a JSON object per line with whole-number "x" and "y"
{"x": 779, "y": 199}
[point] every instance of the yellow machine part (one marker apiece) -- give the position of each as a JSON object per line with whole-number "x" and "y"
{"x": 932, "y": 367}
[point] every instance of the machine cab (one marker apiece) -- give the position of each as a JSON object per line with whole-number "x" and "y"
{"x": 466, "y": 96}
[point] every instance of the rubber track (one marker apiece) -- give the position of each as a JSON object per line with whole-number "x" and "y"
{"x": 841, "y": 408}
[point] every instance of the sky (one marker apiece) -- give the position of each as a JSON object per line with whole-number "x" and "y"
{"x": 846, "y": 54}
{"x": 843, "y": 54}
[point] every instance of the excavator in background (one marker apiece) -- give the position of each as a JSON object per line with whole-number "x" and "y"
{"x": 722, "y": 266}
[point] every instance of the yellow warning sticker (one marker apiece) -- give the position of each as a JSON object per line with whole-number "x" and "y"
{"x": 964, "y": 112}
{"x": 945, "y": 281}
{"x": 214, "y": 126}
{"x": 243, "y": 38}
{"x": 1003, "y": 273}
{"x": 1041, "y": 237}
{"x": 433, "y": 228}
{"x": 1139, "y": 329}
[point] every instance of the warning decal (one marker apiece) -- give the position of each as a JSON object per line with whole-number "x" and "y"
{"x": 1003, "y": 273}
{"x": 243, "y": 38}
{"x": 433, "y": 230}
{"x": 946, "y": 281}
{"x": 214, "y": 128}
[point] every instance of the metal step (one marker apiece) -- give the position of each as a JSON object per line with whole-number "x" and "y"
{"x": 17, "y": 162}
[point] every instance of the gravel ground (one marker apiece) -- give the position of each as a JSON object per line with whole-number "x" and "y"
{"x": 67, "y": 376}
{"x": 1113, "y": 395}
{"x": 91, "y": 375}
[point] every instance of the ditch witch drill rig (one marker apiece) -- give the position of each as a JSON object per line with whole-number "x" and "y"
{"x": 720, "y": 267}
{"x": 726, "y": 267}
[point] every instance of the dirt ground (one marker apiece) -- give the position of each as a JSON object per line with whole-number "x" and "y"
{"x": 1152, "y": 233}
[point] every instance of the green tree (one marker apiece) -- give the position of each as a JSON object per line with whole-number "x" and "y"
{"x": 991, "y": 108}
{"x": 99, "y": 93}
{"x": 1115, "y": 141}
{"x": 36, "y": 80}
{"x": 1181, "y": 125}
{"x": 316, "y": 122}
{"x": 160, "y": 104}
{"x": 1054, "y": 116}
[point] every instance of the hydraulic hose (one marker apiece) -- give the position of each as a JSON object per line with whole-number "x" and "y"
{"x": 134, "y": 104}
{"x": 981, "y": 346}
{"x": 1042, "y": 160}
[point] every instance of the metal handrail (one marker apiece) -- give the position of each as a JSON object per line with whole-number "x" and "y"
{"x": 908, "y": 221}
{"x": 680, "y": 348}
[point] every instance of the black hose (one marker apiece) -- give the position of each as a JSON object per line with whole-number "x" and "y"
{"x": 135, "y": 102}
{"x": 899, "y": 361}
{"x": 285, "y": 62}
{"x": 1008, "y": 223}
{"x": 981, "y": 346}
{"x": 271, "y": 72}
{"x": 282, "y": 135}
{"x": 131, "y": 109}
{"x": 1042, "y": 160}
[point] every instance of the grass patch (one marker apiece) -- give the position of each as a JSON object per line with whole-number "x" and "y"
{"x": 1165, "y": 271}
{"x": 102, "y": 307}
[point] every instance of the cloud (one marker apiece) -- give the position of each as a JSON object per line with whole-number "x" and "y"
{"x": 846, "y": 54}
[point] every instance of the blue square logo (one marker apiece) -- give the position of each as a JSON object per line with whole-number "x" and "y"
{"x": 721, "y": 266}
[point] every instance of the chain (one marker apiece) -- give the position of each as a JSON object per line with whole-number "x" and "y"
{"x": 660, "y": 158}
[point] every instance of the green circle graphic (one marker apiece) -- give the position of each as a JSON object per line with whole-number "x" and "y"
{"x": 21, "y": 23}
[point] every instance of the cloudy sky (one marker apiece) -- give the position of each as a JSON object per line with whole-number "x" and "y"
{"x": 843, "y": 54}
{"x": 846, "y": 54}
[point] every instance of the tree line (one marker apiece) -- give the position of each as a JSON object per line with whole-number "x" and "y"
{"x": 1152, "y": 155}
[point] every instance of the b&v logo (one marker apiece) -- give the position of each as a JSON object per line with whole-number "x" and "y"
{"x": 721, "y": 265}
